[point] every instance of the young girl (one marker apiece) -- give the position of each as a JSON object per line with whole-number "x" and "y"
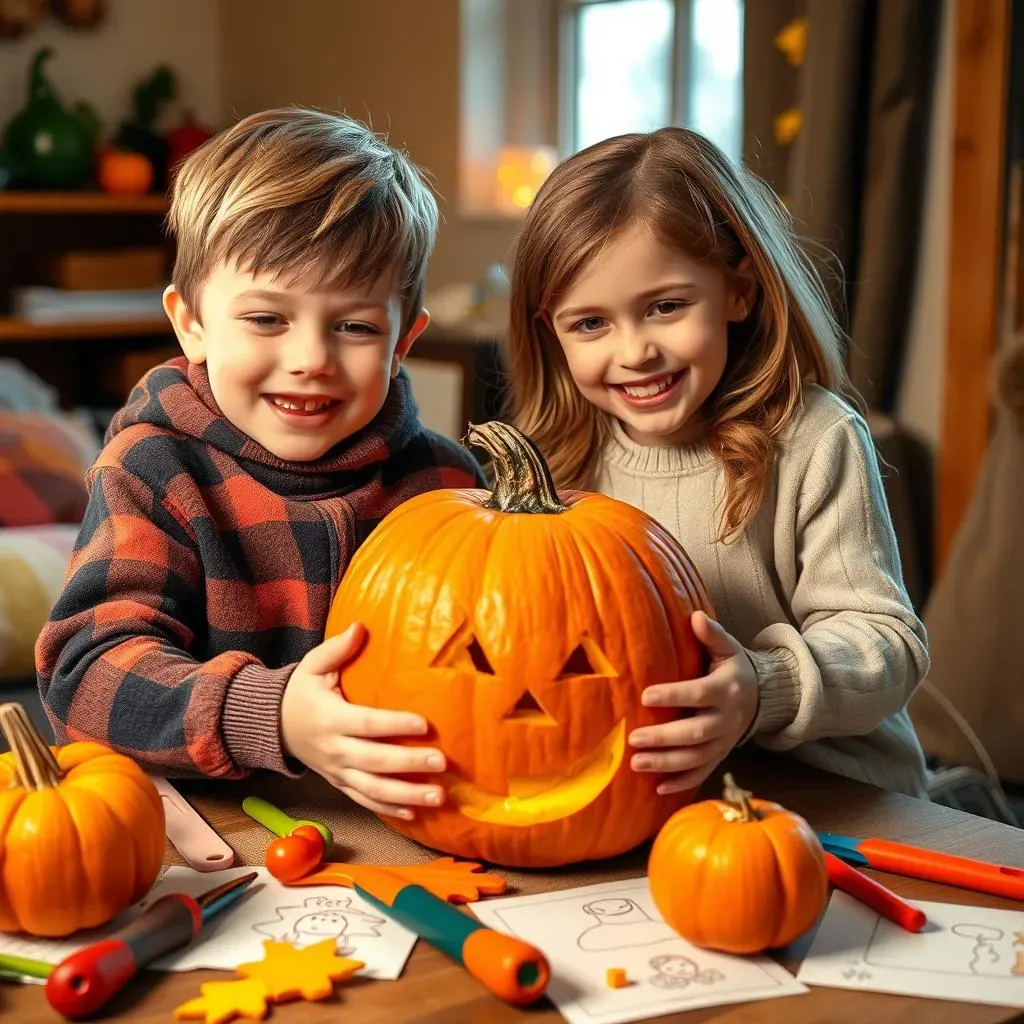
{"x": 672, "y": 346}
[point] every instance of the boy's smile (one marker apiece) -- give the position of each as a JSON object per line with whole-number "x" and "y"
{"x": 297, "y": 367}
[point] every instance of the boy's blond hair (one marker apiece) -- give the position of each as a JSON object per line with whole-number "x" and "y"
{"x": 299, "y": 192}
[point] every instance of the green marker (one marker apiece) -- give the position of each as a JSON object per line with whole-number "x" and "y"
{"x": 24, "y": 968}
{"x": 279, "y": 823}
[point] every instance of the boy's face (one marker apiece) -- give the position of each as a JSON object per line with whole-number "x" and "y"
{"x": 296, "y": 369}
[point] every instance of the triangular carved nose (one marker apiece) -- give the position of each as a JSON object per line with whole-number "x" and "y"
{"x": 527, "y": 702}
{"x": 527, "y": 708}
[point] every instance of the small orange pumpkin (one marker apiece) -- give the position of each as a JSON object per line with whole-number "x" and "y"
{"x": 738, "y": 875}
{"x": 81, "y": 832}
{"x": 122, "y": 172}
{"x": 524, "y": 625}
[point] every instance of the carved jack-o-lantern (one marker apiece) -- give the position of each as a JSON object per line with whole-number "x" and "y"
{"x": 524, "y": 625}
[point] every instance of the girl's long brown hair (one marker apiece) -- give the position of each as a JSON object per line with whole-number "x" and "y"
{"x": 684, "y": 188}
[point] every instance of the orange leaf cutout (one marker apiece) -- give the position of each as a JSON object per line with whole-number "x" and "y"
{"x": 448, "y": 879}
{"x": 291, "y": 973}
{"x": 222, "y": 1001}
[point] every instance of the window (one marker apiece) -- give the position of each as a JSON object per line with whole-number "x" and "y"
{"x": 635, "y": 65}
{"x": 542, "y": 79}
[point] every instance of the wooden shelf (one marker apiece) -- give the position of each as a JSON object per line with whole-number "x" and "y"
{"x": 13, "y": 329}
{"x": 79, "y": 202}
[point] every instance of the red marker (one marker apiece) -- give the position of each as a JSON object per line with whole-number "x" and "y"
{"x": 874, "y": 895}
{"x": 83, "y": 982}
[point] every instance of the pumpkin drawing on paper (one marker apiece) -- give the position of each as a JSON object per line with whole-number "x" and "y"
{"x": 81, "y": 832}
{"x": 524, "y": 625}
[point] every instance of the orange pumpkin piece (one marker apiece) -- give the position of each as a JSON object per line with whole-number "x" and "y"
{"x": 81, "y": 832}
{"x": 122, "y": 172}
{"x": 524, "y": 625}
{"x": 739, "y": 875}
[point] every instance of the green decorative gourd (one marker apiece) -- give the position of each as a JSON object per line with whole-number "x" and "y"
{"x": 46, "y": 146}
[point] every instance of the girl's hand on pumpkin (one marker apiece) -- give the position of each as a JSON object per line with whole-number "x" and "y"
{"x": 338, "y": 740}
{"x": 724, "y": 703}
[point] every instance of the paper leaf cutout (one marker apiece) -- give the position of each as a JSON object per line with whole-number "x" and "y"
{"x": 448, "y": 879}
{"x": 223, "y": 1001}
{"x": 291, "y": 973}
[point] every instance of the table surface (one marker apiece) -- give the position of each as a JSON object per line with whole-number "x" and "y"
{"x": 434, "y": 990}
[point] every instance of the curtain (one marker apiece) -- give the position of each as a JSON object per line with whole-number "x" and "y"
{"x": 837, "y": 110}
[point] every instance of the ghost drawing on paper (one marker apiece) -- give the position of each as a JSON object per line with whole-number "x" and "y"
{"x": 319, "y": 918}
{"x": 620, "y": 924}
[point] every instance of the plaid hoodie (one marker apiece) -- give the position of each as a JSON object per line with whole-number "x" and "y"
{"x": 205, "y": 568}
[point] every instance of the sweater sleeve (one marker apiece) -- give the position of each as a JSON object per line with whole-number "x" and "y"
{"x": 854, "y": 651}
{"x": 112, "y": 660}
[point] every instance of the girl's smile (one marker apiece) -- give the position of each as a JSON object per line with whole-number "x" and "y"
{"x": 650, "y": 392}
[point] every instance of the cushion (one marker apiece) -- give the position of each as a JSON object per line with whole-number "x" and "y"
{"x": 33, "y": 563}
{"x": 43, "y": 460}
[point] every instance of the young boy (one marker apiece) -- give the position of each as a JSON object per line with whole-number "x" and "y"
{"x": 238, "y": 481}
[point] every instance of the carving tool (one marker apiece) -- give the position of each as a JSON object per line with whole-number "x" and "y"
{"x": 510, "y": 968}
{"x": 84, "y": 981}
{"x": 874, "y": 895}
{"x": 278, "y": 822}
{"x": 928, "y": 865}
{"x": 190, "y": 833}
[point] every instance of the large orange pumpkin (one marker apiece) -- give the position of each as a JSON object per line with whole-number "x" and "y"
{"x": 524, "y": 625}
{"x": 81, "y": 832}
{"x": 739, "y": 875}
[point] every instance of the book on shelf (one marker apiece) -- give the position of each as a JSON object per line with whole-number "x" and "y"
{"x": 41, "y": 305}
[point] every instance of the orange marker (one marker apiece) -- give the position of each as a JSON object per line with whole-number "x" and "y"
{"x": 509, "y": 967}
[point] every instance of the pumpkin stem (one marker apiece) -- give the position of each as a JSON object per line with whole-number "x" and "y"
{"x": 522, "y": 480}
{"x": 740, "y": 808}
{"x": 34, "y": 762}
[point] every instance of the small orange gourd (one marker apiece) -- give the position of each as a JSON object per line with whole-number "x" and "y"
{"x": 81, "y": 832}
{"x": 739, "y": 875}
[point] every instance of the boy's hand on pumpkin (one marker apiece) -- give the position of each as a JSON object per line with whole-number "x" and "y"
{"x": 723, "y": 703}
{"x": 339, "y": 740}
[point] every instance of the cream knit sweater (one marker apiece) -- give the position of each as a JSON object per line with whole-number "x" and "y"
{"x": 813, "y": 588}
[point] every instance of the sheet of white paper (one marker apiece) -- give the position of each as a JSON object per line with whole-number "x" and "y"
{"x": 301, "y": 915}
{"x": 965, "y": 953}
{"x": 585, "y": 931}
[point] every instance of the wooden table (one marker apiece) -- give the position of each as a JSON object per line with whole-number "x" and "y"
{"x": 434, "y": 990}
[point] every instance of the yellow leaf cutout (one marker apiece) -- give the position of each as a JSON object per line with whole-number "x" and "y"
{"x": 787, "y": 125}
{"x": 290, "y": 973}
{"x": 223, "y": 1001}
{"x": 791, "y": 41}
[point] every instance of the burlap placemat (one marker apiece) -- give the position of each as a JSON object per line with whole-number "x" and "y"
{"x": 359, "y": 836}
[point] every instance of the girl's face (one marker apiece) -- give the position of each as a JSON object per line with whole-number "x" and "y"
{"x": 644, "y": 330}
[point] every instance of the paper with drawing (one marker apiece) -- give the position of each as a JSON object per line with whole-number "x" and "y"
{"x": 967, "y": 953}
{"x": 268, "y": 910}
{"x": 585, "y": 931}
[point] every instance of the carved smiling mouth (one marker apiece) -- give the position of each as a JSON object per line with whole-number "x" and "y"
{"x": 538, "y": 800}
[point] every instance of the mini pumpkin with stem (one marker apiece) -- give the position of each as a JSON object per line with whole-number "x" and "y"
{"x": 524, "y": 624}
{"x": 81, "y": 832}
{"x": 740, "y": 875}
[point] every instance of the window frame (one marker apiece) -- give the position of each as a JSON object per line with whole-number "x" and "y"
{"x": 567, "y": 43}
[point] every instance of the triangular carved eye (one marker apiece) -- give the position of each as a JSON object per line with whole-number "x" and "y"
{"x": 587, "y": 659}
{"x": 463, "y": 651}
{"x": 478, "y": 658}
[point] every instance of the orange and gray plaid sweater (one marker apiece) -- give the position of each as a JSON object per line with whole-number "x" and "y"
{"x": 204, "y": 571}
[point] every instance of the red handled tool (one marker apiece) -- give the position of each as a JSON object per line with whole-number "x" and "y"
{"x": 84, "y": 981}
{"x": 874, "y": 895}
